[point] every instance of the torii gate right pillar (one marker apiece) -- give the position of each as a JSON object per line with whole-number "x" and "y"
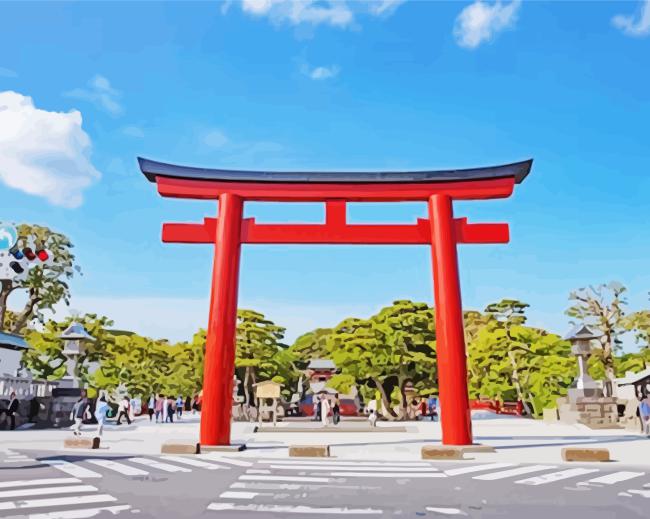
{"x": 450, "y": 337}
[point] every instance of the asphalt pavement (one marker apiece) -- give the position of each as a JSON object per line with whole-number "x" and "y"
{"x": 63, "y": 484}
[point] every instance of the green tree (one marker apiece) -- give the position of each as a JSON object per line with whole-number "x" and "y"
{"x": 311, "y": 345}
{"x": 258, "y": 341}
{"x": 602, "y": 307}
{"x": 46, "y": 283}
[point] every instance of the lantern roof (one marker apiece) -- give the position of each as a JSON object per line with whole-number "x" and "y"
{"x": 75, "y": 331}
{"x": 582, "y": 332}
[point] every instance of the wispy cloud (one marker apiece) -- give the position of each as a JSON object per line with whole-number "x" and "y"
{"x": 133, "y": 131}
{"x": 638, "y": 24}
{"x": 43, "y": 153}
{"x": 320, "y": 73}
{"x": 7, "y": 72}
{"x": 101, "y": 94}
{"x": 335, "y": 13}
{"x": 480, "y": 22}
{"x": 215, "y": 139}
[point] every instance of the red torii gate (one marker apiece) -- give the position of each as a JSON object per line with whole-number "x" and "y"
{"x": 229, "y": 230}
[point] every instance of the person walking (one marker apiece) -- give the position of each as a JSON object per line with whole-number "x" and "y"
{"x": 325, "y": 407}
{"x": 316, "y": 402}
{"x": 80, "y": 411}
{"x": 179, "y": 407}
{"x": 158, "y": 408}
{"x": 151, "y": 406}
{"x": 101, "y": 412}
{"x": 195, "y": 404}
{"x": 336, "y": 410}
{"x": 644, "y": 414}
{"x": 170, "y": 409}
{"x": 123, "y": 411}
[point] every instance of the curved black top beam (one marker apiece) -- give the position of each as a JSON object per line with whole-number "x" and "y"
{"x": 151, "y": 169}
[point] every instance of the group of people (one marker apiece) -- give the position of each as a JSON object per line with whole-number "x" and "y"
{"x": 164, "y": 408}
{"x": 322, "y": 407}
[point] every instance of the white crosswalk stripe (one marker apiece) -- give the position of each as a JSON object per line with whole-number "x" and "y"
{"x": 519, "y": 471}
{"x": 289, "y": 509}
{"x": 611, "y": 479}
{"x": 301, "y": 479}
{"x": 120, "y": 468}
{"x": 72, "y": 469}
{"x": 357, "y": 468}
{"x": 406, "y": 475}
{"x": 37, "y": 482}
{"x": 81, "y": 513}
{"x": 477, "y": 468}
{"x": 56, "y": 501}
{"x": 556, "y": 476}
{"x": 193, "y": 462}
{"x": 154, "y": 464}
{"x": 43, "y": 491}
{"x": 227, "y": 460}
{"x": 299, "y": 461}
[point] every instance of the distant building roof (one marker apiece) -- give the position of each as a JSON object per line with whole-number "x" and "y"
{"x": 633, "y": 378}
{"x": 13, "y": 341}
{"x": 321, "y": 364}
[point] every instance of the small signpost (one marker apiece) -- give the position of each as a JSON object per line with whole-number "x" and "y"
{"x": 264, "y": 391}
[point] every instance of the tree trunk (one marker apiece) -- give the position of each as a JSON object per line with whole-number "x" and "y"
{"x": 26, "y": 314}
{"x": 5, "y": 290}
{"x": 246, "y": 380}
{"x": 515, "y": 382}
{"x": 403, "y": 404}
{"x": 608, "y": 361}
{"x": 384, "y": 399}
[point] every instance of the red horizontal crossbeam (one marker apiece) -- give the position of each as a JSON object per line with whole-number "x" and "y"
{"x": 352, "y": 192}
{"x": 336, "y": 232}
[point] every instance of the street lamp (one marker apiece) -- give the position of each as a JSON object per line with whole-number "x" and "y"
{"x": 580, "y": 338}
{"x": 73, "y": 337}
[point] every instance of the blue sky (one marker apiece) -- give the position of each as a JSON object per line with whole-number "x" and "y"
{"x": 291, "y": 85}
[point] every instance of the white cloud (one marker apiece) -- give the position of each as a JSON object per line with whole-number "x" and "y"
{"x": 296, "y": 12}
{"x": 384, "y": 7}
{"x": 320, "y": 73}
{"x": 480, "y": 21}
{"x": 215, "y": 139}
{"x": 101, "y": 94}
{"x": 133, "y": 131}
{"x": 44, "y": 153}
{"x": 635, "y": 25}
{"x": 7, "y": 72}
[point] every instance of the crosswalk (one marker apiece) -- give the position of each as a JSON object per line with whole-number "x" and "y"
{"x": 293, "y": 486}
{"x": 286, "y": 486}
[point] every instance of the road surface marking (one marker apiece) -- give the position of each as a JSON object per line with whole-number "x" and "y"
{"x": 288, "y": 509}
{"x": 239, "y": 495}
{"x": 56, "y": 501}
{"x": 299, "y": 461}
{"x": 555, "y": 476}
{"x": 296, "y": 486}
{"x": 644, "y": 493}
{"x": 514, "y": 472}
{"x": 615, "y": 477}
{"x": 159, "y": 465}
{"x": 445, "y": 511}
{"x": 230, "y": 461}
{"x": 80, "y": 513}
{"x": 406, "y": 475}
{"x": 192, "y": 462}
{"x": 70, "y": 489}
{"x": 357, "y": 468}
{"x": 285, "y": 478}
{"x": 118, "y": 467}
{"x": 36, "y": 482}
{"x": 477, "y": 468}
{"x": 23, "y": 460}
{"x": 258, "y": 471}
{"x": 72, "y": 469}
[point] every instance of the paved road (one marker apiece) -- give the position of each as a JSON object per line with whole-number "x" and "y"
{"x": 48, "y": 485}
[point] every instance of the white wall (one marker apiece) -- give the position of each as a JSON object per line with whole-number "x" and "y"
{"x": 9, "y": 361}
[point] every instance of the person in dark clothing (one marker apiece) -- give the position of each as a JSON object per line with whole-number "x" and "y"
{"x": 188, "y": 404}
{"x": 34, "y": 409}
{"x": 12, "y": 410}
{"x": 123, "y": 411}
{"x": 336, "y": 410}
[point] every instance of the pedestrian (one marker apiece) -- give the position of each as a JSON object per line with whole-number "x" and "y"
{"x": 123, "y": 410}
{"x": 151, "y": 405}
{"x": 80, "y": 410}
{"x": 179, "y": 407}
{"x": 325, "y": 407}
{"x": 316, "y": 401}
{"x": 423, "y": 409}
{"x": 158, "y": 408}
{"x": 195, "y": 404}
{"x": 170, "y": 409}
{"x": 101, "y": 412}
{"x": 644, "y": 413}
{"x": 372, "y": 406}
{"x": 188, "y": 404}
{"x": 372, "y": 417}
{"x": 11, "y": 410}
{"x": 336, "y": 410}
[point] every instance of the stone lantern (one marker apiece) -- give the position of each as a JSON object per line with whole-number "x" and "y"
{"x": 73, "y": 337}
{"x": 580, "y": 338}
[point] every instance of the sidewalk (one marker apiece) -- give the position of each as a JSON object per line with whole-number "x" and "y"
{"x": 515, "y": 440}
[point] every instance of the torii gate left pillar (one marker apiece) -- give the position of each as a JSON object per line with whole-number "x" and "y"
{"x": 441, "y": 231}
